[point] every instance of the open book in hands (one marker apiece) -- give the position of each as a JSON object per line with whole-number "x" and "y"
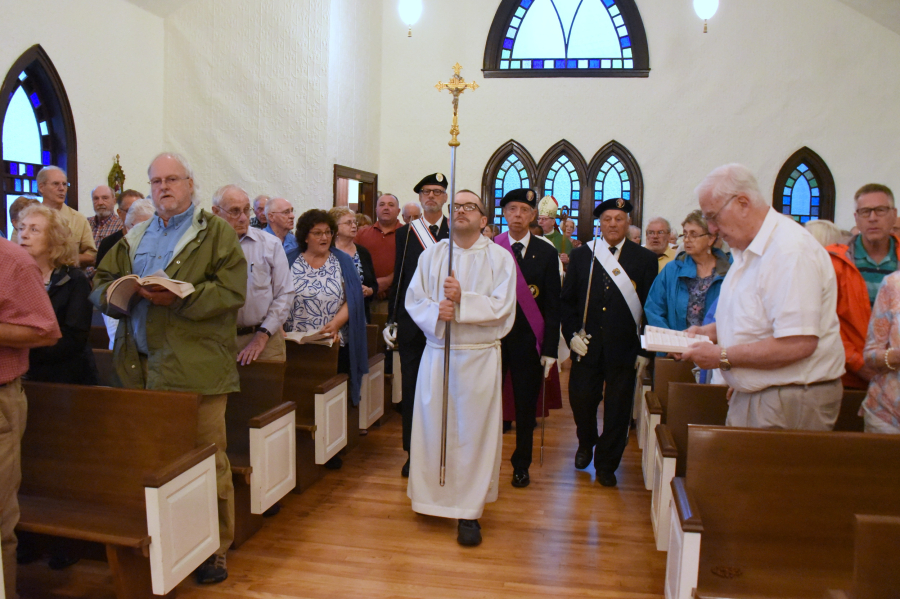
{"x": 310, "y": 338}
{"x": 122, "y": 293}
{"x": 657, "y": 339}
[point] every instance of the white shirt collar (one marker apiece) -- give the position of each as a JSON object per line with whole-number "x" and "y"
{"x": 524, "y": 241}
{"x": 439, "y": 223}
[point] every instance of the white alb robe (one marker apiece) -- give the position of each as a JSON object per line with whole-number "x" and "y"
{"x": 485, "y": 314}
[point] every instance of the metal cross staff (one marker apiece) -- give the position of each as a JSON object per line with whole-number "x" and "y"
{"x": 457, "y": 87}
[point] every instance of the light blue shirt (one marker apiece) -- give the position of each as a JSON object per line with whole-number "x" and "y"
{"x": 291, "y": 247}
{"x": 154, "y": 253}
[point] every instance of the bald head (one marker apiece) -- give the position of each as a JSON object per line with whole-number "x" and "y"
{"x": 411, "y": 211}
{"x": 280, "y": 215}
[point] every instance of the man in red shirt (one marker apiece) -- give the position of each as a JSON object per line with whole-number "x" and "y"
{"x": 380, "y": 240}
{"x": 26, "y": 320}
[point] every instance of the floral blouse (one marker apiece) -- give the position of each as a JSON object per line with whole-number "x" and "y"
{"x": 319, "y": 294}
{"x": 883, "y": 399}
{"x": 696, "y": 308}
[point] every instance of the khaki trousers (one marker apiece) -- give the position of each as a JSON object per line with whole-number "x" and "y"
{"x": 13, "y": 411}
{"x": 274, "y": 350}
{"x": 812, "y": 408}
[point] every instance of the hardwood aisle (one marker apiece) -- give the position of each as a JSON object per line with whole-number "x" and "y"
{"x": 354, "y": 535}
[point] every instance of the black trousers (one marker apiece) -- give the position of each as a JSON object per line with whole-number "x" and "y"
{"x": 412, "y": 347}
{"x": 585, "y": 394}
{"x": 521, "y": 360}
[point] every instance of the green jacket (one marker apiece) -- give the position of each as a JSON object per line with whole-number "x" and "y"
{"x": 192, "y": 342}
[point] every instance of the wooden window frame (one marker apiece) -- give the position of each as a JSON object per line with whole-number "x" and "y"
{"x": 493, "y": 167}
{"x": 368, "y": 184}
{"x": 614, "y": 148}
{"x": 55, "y": 109}
{"x": 822, "y": 174}
{"x": 500, "y": 25}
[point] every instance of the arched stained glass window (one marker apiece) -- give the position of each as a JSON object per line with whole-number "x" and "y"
{"x": 568, "y": 38}
{"x": 562, "y": 175}
{"x": 804, "y": 189}
{"x": 37, "y": 128}
{"x": 511, "y": 167}
{"x": 614, "y": 173}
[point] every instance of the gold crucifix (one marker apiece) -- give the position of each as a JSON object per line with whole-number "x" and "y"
{"x": 457, "y": 86}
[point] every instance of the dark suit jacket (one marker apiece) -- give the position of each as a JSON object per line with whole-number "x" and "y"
{"x": 540, "y": 267}
{"x": 401, "y": 282}
{"x": 368, "y": 277}
{"x": 107, "y": 243}
{"x": 614, "y": 336}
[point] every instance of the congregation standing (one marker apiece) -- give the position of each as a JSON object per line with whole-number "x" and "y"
{"x": 791, "y": 322}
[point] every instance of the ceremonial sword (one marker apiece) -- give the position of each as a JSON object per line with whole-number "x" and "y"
{"x": 457, "y": 86}
{"x": 543, "y": 416}
{"x": 587, "y": 300}
{"x": 393, "y": 322}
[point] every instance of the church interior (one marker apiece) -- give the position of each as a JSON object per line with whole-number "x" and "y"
{"x": 285, "y": 98}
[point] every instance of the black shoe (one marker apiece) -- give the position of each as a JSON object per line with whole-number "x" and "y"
{"x": 507, "y": 426}
{"x": 334, "y": 463}
{"x": 404, "y": 472}
{"x": 520, "y": 477}
{"x": 583, "y": 457}
{"x": 61, "y": 561}
{"x": 607, "y": 479}
{"x": 211, "y": 571}
{"x": 26, "y": 554}
{"x": 469, "y": 533}
{"x": 272, "y": 511}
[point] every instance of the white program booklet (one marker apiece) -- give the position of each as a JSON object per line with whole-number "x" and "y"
{"x": 657, "y": 339}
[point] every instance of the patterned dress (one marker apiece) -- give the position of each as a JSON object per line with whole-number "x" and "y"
{"x": 696, "y": 308}
{"x": 883, "y": 399}
{"x": 319, "y": 294}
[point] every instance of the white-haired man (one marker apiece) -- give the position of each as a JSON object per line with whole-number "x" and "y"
{"x": 658, "y": 231}
{"x": 411, "y": 212}
{"x": 172, "y": 344}
{"x": 269, "y": 289}
{"x": 280, "y": 216}
{"x": 53, "y": 185}
{"x": 634, "y": 234}
{"x": 776, "y": 338}
{"x": 104, "y": 222}
{"x": 258, "y": 220}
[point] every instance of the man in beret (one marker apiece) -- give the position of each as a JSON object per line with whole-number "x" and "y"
{"x": 411, "y": 240}
{"x": 607, "y": 342}
{"x": 530, "y": 349}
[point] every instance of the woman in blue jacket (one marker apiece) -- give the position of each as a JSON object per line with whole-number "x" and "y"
{"x": 688, "y": 285}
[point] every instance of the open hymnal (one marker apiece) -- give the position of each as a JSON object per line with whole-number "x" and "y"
{"x": 121, "y": 293}
{"x": 657, "y": 339}
{"x": 310, "y": 338}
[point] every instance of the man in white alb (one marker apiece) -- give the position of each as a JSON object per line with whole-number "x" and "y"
{"x": 777, "y": 331}
{"x": 479, "y": 305}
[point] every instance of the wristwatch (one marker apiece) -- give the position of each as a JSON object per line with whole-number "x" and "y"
{"x": 266, "y": 331}
{"x": 724, "y": 364}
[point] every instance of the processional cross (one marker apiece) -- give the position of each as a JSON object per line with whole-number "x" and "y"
{"x": 457, "y": 86}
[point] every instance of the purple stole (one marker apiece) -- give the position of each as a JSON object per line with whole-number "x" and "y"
{"x": 523, "y": 294}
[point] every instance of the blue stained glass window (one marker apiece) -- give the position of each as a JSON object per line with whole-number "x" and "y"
{"x": 512, "y": 175}
{"x": 801, "y": 195}
{"x": 572, "y": 34}
{"x": 21, "y": 137}
{"x": 612, "y": 181}
{"x": 563, "y": 184}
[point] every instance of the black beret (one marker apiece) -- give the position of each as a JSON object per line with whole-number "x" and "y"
{"x": 433, "y": 179}
{"x": 526, "y": 196}
{"x": 613, "y": 204}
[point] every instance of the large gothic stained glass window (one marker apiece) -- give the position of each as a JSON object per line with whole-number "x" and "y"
{"x": 570, "y": 38}
{"x": 511, "y": 175}
{"x": 804, "y": 189}
{"x": 614, "y": 173}
{"x": 564, "y": 184}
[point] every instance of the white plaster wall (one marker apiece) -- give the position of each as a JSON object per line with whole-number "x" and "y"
{"x": 258, "y": 96}
{"x": 770, "y": 77}
{"x": 109, "y": 54}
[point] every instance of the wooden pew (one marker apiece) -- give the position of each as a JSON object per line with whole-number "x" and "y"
{"x": 768, "y": 514}
{"x": 119, "y": 468}
{"x": 98, "y": 337}
{"x": 261, "y": 432}
{"x": 312, "y": 383}
{"x": 371, "y": 404}
{"x": 876, "y": 557}
{"x": 688, "y": 403}
{"x": 665, "y": 370}
{"x": 645, "y": 378}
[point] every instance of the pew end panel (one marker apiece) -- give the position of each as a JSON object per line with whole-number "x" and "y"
{"x": 686, "y": 529}
{"x": 371, "y": 405}
{"x": 182, "y": 518}
{"x": 273, "y": 456}
{"x": 654, "y": 418}
{"x": 331, "y": 418}
{"x": 876, "y": 557}
{"x": 645, "y": 381}
{"x": 663, "y": 473}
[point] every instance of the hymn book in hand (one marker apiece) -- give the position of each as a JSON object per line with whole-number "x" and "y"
{"x": 122, "y": 292}
{"x": 657, "y": 339}
{"x": 310, "y": 338}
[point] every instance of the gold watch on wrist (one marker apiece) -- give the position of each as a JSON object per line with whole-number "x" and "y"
{"x": 724, "y": 364}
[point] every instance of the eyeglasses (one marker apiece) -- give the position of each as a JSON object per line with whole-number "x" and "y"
{"x": 237, "y": 212}
{"x": 320, "y": 234}
{"x": 283, "y": 213}
{"x": 878, "y": 210}
{"x": 658, "y": 233}
{"x": 693, "y": 236}
{"x": 712, "y": 218}
{"x": 469, "y": 207}
{"x": 169, "y": 181}
{"x": 349, "y": 221}
{"x": 433, "y": 192}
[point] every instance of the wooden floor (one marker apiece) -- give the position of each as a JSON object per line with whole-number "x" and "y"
{"x": 354, "y": 535}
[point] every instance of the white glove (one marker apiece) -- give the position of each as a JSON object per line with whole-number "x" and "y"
{"x": 547, "y": 363}
{"x": 390, "y": 335}
{"x": 579, "y": 345}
